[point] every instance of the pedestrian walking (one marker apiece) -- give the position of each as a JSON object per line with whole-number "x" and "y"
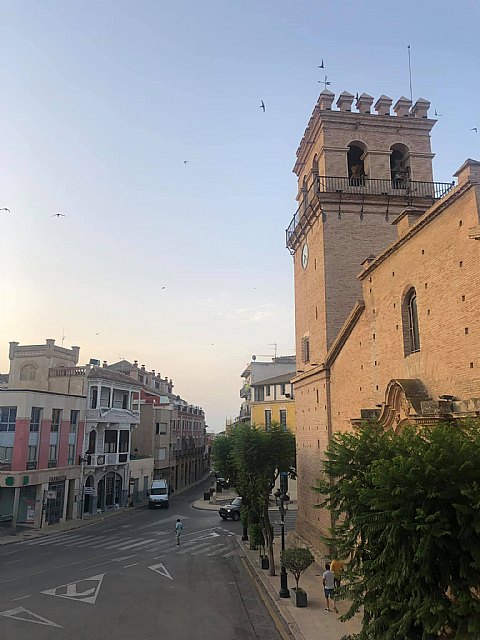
{"x": 337, "y": 568}
{"x": 329, "y": 588}
{"x": 178, "y": 530}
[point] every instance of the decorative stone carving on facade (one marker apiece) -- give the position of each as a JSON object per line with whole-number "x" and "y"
{"x": 403, "y": 403}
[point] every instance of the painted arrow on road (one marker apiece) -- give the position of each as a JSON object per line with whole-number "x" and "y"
{"x": 161, "y": 569}
{"x": 20, "y": 613}
{"x": 73, "y": 591}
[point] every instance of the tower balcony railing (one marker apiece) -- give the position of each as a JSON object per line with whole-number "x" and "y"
{"x": 385, "y": 188}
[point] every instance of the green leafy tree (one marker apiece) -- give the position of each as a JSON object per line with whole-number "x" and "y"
{"x": 253, "y": 459}
{"x": 406, "y": 508}
{"x": 296, "y": 561}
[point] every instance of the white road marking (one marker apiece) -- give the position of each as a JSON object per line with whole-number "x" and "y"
{"x": 91, "y": 566}
{"x": 214, "y": 553}
{"x": 136, "y": 544}
{"x": 161, "y": 569}
{"x": 232, "y": 553}
{"x": 53, "y": 539}
{"x": 14, "y": 561}
{"x": 21, "y": 598}
{"x": 72, "y": 592}
{"x": 204, "y": 544}
{"x": 80, "y": 543}
{"x": 130, "y": 565}
{"x": 110, "y": 540}
{"x": 20, "y": 613}
{"x": 161, "y": 522}
{"x": 116, "y": 545}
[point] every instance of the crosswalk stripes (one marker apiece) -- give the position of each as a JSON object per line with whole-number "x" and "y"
{"x": 217, "y": 551}
{"x": 51, "y": 539}
{"x": 136, "y": 544}
{"x": 126, "y": 541}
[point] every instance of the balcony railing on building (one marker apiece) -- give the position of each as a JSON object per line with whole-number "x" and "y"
{"x": 67, "y": 372}
{"x": 409, "y": 190}
{"x": 104, "y": 459}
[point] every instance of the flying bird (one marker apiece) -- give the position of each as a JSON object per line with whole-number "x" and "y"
{"x": 57, "y": 215}
{"x": 164, "y": 287}
{"x": 5, "y": 209}
{"x": 262, "y": 106}
{"x": 97, "y": 334}
{"x": 321, "y": 66}
{"x": 185, "y": 162}
{"x": 474, "y": 129}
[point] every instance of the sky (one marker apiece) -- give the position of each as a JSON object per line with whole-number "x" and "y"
{"x": 183, "y": 267}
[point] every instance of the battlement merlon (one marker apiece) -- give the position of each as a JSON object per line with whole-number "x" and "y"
{"x": 407, "y": 119}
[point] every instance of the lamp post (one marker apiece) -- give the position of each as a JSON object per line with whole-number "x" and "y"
{"x": 282, "y": 501}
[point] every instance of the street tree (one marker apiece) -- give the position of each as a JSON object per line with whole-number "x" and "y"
{"x": 258, "y": 458}
{"x": 406, "y": 513}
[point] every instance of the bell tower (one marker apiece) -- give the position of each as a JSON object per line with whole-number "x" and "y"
{"x": 357, "y": 171}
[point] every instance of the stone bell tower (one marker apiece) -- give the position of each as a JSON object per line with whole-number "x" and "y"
{"x": 357, "y": 171}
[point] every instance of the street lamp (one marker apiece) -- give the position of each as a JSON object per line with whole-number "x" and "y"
{"x": 282, "y": 500}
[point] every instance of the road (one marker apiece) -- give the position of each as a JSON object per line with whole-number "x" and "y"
{"x": 126, "y": 578}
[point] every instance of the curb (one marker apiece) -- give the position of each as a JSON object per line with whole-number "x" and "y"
{"x": 80, "y": 523}
{"x": 258, "y": 577}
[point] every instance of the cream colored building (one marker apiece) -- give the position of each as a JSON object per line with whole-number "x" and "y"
{"x": 273, "y": 401}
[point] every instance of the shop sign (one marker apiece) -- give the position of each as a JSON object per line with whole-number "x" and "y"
{"x": 57, "y": 479}
{"x": 51, "y": 494}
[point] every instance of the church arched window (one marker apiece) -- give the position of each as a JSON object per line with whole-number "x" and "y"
{"x": 399, "y": 166}
{"x": 356, "y": 166}
{"x": 411, "y": 333}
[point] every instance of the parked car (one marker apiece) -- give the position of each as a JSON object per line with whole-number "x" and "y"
{"x": 231, "y": 510}
{"x": 223, "y": 482}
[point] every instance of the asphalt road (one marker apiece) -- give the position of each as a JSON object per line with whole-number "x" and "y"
{"x": 126, "y": 578}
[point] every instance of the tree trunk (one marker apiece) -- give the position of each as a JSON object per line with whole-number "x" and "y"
{"x": 267, "y": 534}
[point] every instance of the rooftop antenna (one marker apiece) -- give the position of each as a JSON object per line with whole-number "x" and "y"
{"x": 410, "y": 71}
{"x": 63, "y": 335}
{"x": 273, "y": 344}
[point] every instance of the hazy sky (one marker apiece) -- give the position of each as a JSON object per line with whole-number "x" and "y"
{"x": 101, "y": 104}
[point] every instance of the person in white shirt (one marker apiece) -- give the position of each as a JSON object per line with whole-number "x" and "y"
{"x": 329, "y": 588}
{"x": 178, "y": 530}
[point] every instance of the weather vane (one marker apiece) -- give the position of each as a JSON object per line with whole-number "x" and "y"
{"x": 326, "y": 82}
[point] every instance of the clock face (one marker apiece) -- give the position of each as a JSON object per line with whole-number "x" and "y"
{"x": 305, "y": 256}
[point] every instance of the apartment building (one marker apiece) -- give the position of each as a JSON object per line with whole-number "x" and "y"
{"x": 42, "y": 421}
{"x": 171, "y": 430}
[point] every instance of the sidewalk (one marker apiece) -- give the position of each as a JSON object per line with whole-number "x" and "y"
{"x": 215, "y": 501}
{"x": 308, "y": 623}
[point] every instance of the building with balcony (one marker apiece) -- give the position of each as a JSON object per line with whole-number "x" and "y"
{"x": 171, "y": 430}
{"x": 42, "y": 416}
{"x": 274, "y": 401}
{"x": 255, "y": 373}
{"x": 109, "y": 422}
{"x": 386, "y": 281}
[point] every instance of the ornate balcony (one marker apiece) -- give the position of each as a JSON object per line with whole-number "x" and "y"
{"x": 395, "y": 191}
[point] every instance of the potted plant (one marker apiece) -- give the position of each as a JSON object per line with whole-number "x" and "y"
{"x": 296, "y": 561}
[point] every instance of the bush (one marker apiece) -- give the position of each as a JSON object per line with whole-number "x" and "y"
{"x": 296, "y": 561}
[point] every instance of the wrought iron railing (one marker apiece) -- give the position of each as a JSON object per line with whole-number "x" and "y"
{"x": 397, "y": 188}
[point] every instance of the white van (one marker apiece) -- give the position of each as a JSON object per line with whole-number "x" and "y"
{"x": 158, "y": 496}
